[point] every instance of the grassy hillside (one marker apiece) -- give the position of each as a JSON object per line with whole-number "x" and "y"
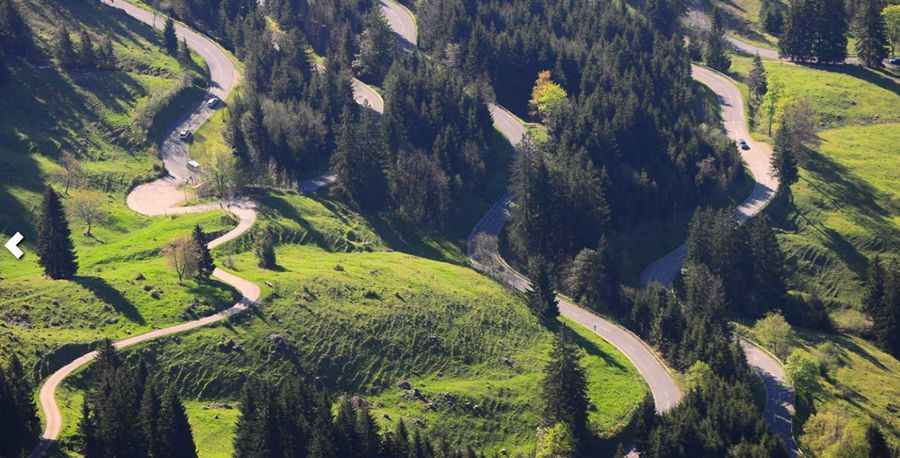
{"x": 856, "y": 379}
{"x": 846, "y": 205}
{"x": 361, "y": 318}
{"x": 93, "y": 115}
{"x": 100, "y": 116}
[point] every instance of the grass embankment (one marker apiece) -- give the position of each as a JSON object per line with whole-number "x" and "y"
{"x": 857, "y": 380}
{"x": 90, "y": 114}
{"x": 362, "y": 318}
{"x": 846, "y": 205}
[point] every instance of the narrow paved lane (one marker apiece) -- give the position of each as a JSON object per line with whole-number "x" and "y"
{"x": 757, "y": 159}
{"x": 401, "y": 20}
{"x": 162, "y": 197}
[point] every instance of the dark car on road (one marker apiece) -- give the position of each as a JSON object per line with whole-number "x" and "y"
{"x": 742, "y": 144}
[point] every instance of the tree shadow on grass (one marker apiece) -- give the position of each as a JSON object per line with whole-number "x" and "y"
{"x": 863, "y": 73}
{"x": 592, "y": 349}
{"x": 111, "y": 296}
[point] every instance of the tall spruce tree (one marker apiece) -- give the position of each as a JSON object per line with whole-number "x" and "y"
{"x": 716, "y": 53}
{"x": 542, "y": 296}
{"x": 784, "y": 161}
{"x": 65, "y": 50}
{"x": 871, "y": 35}
{"x": 206, "y": 266}
{"x": 54, "y": 242}
{"x": 176, "y": 440}
{"x": 564, "y": 387}
{"x": 886, "y": 318}
{"x": 799, "y": 39}
{"x": 18, "y": 416}
{"x": 831, "y": 27}
{"x": 87, "y": 56}
{"x": 757, "y": 82}
{"x": 170, "y": 39}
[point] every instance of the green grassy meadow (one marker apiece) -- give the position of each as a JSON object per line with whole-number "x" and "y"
{"x": 845, "y": 206}
{"x": 343, "y": 308}
{"x": 91, "y": 114}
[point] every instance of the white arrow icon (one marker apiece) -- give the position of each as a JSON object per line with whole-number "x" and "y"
{"x": 12, "y": 245}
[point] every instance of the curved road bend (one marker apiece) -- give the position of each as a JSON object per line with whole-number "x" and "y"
{"x": 482, "y": 250}
{"x": 161, "y": 197}
{"x": 779, "y": 395}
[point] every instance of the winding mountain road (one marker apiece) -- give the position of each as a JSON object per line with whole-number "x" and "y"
{"x": 162, "y": 197}
{"x": 483, "y": 250}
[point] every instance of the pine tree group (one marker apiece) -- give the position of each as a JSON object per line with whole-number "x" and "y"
{"x": 205, "y": 264}
{"x": 815, "y": 30}
{"x": 871, "y": 34}
{"x": 54, "y": 243}
{"x": 127, "y": 413}
{"x": 294, "y": 420}
{"x": 19, "y": 423}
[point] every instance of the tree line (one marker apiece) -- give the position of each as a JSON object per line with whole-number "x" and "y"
{"x": 817, "y": 30}
{"x": 19, "y": 422}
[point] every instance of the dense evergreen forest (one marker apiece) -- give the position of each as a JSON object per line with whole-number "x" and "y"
{"x": 625, "y": 147}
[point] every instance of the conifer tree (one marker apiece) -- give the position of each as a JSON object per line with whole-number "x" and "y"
{"x": 757, "y": 83}
{"x": 184, "y": 53}
{"x": 768, "y": 262}
{"x": 176, "y": 440}
{"x": 248, "y": 429}
{"x": 716, "y": 53}
{"x": 784, "y": 162}
{"x": 87, "y": 55}
{"x": 831, "y": 26}
{"x": 368, "y": 440}
{"x": 18, "y": 416}
{"x": 265, "y": 249}
{"x": 150, "y": 418}
{"x": 170, "y": 39}
{"x": 871, "y": 35}
{"x": 87, "y": 432}
{"x": 542, "y": 296}
{"x": 54, "y": 242}
{"x": 799, "y": 37}
{"x": 875, "y": 284}
{"x": 878, "y": 447}
{"x": 771, "y": 17}
{"x": 345, "y": 429}
{"x": 107, "y": 55}
{"x": 886, "y": 319}
{"x": 15, "y": 35}
{"x": 65, "y": 50}
{"x": 205, "y": 264}
{"x": 564, "y": 387}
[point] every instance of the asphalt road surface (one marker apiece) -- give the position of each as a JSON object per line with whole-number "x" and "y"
{"x": 401, "y": 20}
{"x": 162, "y": 197}
{"x": 482, "y": 250}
